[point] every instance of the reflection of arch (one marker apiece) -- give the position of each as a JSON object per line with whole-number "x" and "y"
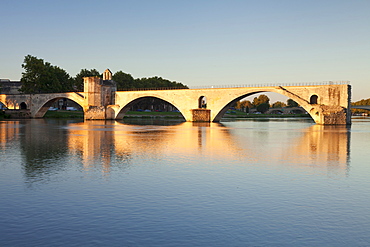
{"x": 313, "y": 99}
{"x": 202, "y": 103}
{"x": 122, "y": 111}
{"x": 23, "y": 106}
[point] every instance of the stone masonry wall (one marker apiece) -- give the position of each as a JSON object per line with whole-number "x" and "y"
{"x": 201, "y": 115}
{"x": 95, "y": 113}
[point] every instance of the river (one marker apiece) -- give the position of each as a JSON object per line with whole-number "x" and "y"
{"x": 266, "y": 182}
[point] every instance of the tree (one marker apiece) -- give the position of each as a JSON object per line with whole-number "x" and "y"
{"x": 123, "y": 80}
{"x": 157, "y": 82}
{"x": 260, "y": 100}
{"x": 264, "y": 107}
{"x": 278, "y": 104}
{"x": 244, "y": 105}
{"x": 292, "y": 103}
{"x": 42, "y": 77}
{"x": 361, "y": 102}
{"x": 79, "y": 81}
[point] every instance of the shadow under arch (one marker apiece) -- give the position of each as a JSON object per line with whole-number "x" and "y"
{"x": 44, "y": 108}
{"x": 127, "y": 107}
{"x": 302, "y": 102}
{"x": 23, "y": 106}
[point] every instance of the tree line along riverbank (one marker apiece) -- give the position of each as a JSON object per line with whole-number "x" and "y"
{"x": 154, "y": 114}
{"x": 139, "y": 114}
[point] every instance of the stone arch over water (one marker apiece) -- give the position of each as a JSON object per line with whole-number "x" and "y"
{"x": 45, "y": 107}
{"x": 304, "y": 103}
{"x": 123, "y": 110}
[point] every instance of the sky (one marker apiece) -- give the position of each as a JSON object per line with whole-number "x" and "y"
{"x": 195, "y": 42}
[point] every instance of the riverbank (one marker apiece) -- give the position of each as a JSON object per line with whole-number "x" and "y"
{"x": 266, "y": 115}
{"x": 175, "y": 115}
{"x": 3, "y": 115}
{"x": 130, "y": 114}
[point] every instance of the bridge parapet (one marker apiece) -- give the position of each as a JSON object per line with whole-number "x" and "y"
{"x": 289, "y": 84}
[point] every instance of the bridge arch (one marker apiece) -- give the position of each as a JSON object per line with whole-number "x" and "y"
{"x": 45, "y": 102}
{"x": 221, "y": 110}
{"x": 124, "y": 109}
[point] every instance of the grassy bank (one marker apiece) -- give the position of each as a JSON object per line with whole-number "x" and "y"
{"x": 244, "y": 115}
{"x": 135, "y": 114}
{"x": 3, "y": 115}
{"x": 79, "y": 114}
{"x": 64, "y": 114}
{"x": 143, "y": 114}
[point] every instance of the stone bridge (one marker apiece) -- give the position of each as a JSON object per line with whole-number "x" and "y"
{"x": 362, "y": 107}
{"x": 327, "y": 104}
{"x": 285, "y": 110}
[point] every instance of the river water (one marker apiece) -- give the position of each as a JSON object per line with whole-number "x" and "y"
{"x": 272, "y": 182}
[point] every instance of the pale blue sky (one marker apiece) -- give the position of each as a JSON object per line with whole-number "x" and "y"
{"x": 194, "y": 42}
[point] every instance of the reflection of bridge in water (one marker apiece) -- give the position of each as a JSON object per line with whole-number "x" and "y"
{"x": 322, "y": 145}
{"x": 107, "y": 144}
{"x": 319, "y": 147}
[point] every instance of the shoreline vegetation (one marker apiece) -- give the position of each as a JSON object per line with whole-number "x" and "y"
{"x": 176, "y": 115}
{"x": 167, "y": 115}
{"x": 64, "y": 114}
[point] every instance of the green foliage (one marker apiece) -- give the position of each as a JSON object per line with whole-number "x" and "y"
{"x": 243, "y": 105}
{"x": 278, "y": 104}
{"x": 79, "y": 81}
{"x": 42, "y": 77}
{"x": 260, "y": 100}
{"x": 361, "y": 102}
{"x": 157, "y": 82}
{"x": 123, "y": 80}
{"x": 264, "y": 107}
{"x": 64, "y": 114}
{"x": 262, "y": 103}
{"x": 126, "y": 82}
{"x": 292, "y": 103}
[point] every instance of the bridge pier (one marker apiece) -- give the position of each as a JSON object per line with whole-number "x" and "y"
{"x": 201, "y": 115}
{"x": 100, "y": 95}
{"x": 101, "y": 112}
{"x": 331, "y": 115}
{"x": 95, "y": 113}
{"x": 327, "y": 105}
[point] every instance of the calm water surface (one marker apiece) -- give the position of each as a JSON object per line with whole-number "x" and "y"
{"x": 239, "y": 183}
